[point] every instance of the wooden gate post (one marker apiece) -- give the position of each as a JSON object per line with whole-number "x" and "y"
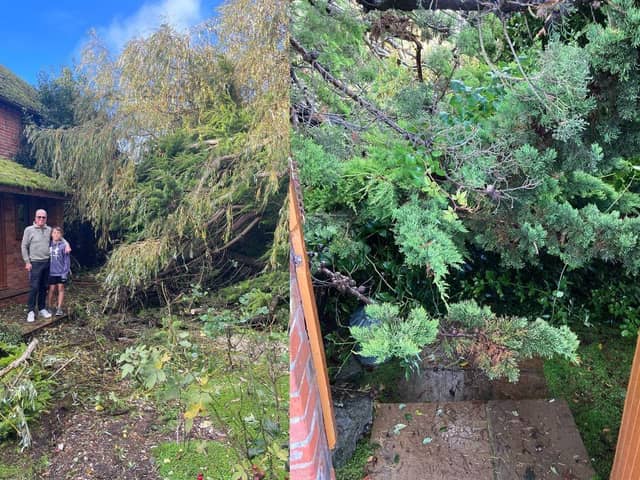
{"x": 626, "y": 465}
{"x": 312, "y": 432}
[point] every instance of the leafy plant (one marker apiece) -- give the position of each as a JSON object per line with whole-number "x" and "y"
{"x": 24, "y": 394}
{"x": 145, "y": 364}
{"x": 10, "y": 334}
{"x": 393, "y": 336}
{"x": 244, "y": 401}
{"x": 251, "y": 469}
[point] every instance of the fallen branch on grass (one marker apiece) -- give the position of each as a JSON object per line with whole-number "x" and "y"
{"x": 21, "y": 359}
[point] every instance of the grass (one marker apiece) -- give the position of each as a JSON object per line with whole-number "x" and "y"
{"x": 595, "y": 391}
{"x": 23, "y": 470}
{"x": 354, "y": 469}
{"x": 243, "y": 398}
{"x": 184, "y": 461}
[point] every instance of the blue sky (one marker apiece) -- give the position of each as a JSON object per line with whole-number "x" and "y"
{"x": 38, "y": 35}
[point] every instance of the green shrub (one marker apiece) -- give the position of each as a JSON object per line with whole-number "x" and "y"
{"x": 393, "y": 336}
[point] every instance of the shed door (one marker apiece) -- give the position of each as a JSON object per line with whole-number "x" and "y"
{"x": 3, "y": 244}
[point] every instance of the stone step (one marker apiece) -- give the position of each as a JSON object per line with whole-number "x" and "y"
{"x": 532, "y": 439}
{"x": 437, "y": 384}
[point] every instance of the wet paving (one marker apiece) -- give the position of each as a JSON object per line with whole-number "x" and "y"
{"x": 476, "y": 440}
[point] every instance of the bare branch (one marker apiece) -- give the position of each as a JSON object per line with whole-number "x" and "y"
{"x": 311, "y": 59}
{"x": 506, "y": 6}
{"x": 21, "y": 359}
{"x": 345, "y": 284}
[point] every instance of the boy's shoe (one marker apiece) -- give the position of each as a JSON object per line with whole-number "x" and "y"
{"x": 59, "y": 312}
{"x": 44, "y": 313}
{"x": 31, "y": 317}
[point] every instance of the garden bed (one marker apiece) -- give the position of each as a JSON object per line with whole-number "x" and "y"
{"x": 97, "y": 426}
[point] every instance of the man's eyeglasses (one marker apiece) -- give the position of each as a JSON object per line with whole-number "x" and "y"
{"x": 40, "y": 216}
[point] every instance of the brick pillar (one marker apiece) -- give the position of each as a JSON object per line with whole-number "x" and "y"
{"x": 310, "y": 457}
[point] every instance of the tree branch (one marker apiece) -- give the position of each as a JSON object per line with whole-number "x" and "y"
{"x": 507, "y": 6}
{"x": 345, "y": 284}
{"x": 21, "y": 359}
{"x": 311, "y": 59}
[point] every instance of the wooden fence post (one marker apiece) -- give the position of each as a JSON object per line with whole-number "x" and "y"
{"x": 312, "y": 432}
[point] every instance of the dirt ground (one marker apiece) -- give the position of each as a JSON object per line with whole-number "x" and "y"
{"x": 95, "y": 427}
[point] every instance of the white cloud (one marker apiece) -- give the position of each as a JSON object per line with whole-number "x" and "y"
{"x": 180, "y": 14}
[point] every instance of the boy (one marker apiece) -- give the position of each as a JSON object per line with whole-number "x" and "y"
{"x": 59, "y": 268}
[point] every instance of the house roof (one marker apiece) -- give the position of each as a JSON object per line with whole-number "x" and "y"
{"x": 21, "y": 179}
{"x": 17, "y": 92}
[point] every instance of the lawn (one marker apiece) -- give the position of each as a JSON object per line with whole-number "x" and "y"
{"x": 595, "y": 391}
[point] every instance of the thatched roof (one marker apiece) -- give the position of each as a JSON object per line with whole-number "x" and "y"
{"x": 17, "y": 92}
{"x": 22, "y": 178}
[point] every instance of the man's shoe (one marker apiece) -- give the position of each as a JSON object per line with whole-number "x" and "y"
{"x": 31, "y": 317}
{"x": 44, "y": 313}
{"x": 59, "y": 312}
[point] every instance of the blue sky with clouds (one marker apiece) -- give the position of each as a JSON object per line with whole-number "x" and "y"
{"x": 44, "y": 35}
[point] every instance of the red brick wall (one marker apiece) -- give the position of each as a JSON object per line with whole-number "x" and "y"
{"x": 15, "y": 273}
{"x": 10, "y": 130}
{"x": 309, "y": 455}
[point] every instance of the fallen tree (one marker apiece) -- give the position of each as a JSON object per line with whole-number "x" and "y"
{"x": 175, "y": 151}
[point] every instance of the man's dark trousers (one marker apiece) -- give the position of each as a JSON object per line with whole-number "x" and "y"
{"x": 38, "y": 280}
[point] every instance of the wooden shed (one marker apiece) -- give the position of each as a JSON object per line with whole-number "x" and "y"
{"x": 22, "y": 191}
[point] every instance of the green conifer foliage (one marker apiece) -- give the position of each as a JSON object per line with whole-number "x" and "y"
{"x": 394, "y": 336}
{"x": 498, "y": 166}
{"x": 496, "y": 345}
{"x": 522, "y": 147}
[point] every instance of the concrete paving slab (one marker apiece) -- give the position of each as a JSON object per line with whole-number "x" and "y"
{"x": 435, "y": 384}
{"x": 431, "y": 441}
{"x": 496, "y": 440}
{"x": 536, "y": 440}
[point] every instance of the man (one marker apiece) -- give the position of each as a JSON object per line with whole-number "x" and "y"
{"x": 35, "y": 253}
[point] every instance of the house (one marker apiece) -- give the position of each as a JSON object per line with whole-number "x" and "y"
{"x": 22, "y": 191}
